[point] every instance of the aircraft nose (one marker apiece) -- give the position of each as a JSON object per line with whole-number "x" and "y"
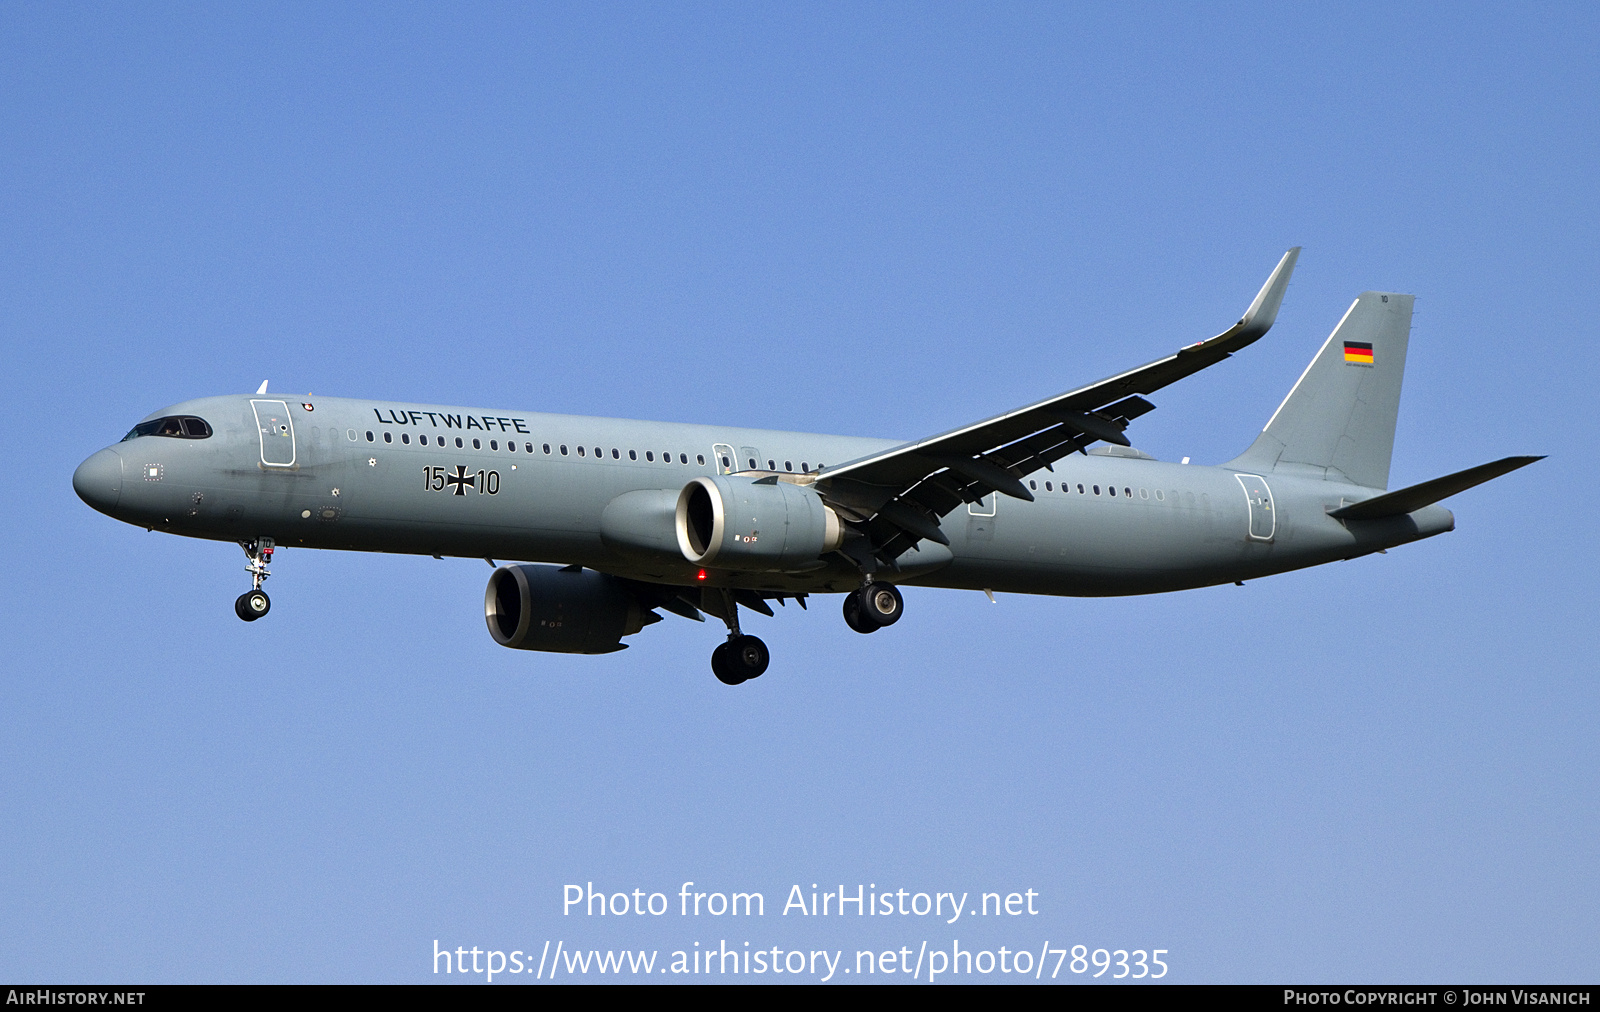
{"x": 98, "y": 480}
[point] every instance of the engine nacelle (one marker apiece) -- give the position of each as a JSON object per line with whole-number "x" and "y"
{"x": 566, "y": 611}
{"x": 760, "y": 524}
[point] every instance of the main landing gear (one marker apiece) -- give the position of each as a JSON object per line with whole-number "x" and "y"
{"x": 872, "y": 606}
{"x": 742, "y": 657}
{"x": 255, "y": 603}
{"x": 868, "y": 608}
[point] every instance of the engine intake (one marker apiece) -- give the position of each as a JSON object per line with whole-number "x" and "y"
{"x": 758, "y": 524}
{"x": 560, "y": 610}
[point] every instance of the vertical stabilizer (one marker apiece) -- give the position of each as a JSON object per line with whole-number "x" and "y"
{"x": 1338, "y": 421}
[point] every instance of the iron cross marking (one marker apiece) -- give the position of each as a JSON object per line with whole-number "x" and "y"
{"x": 460, "y": 481}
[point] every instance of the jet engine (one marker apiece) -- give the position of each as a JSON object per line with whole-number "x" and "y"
{"x": 761, "y": 524}
{"x": 562, "y": 610}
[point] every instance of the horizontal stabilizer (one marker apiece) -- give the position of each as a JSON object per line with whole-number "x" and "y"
{"x": 1409, "y": 500}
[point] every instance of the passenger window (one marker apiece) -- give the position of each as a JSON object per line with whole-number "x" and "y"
{"x": 563, "y": 449}
{"x": 701, "y": 458}
{"x": 511, "y": 446}
{"x": 598, "y": 452}
{"x": 772, "y": 465}
{"x": 788, "y": 466}
{"x": 725, "y": 462}
{"x": 494, "y": 444}
{"x": 423, "y": 440}
{"x": 528, "y": 448}
{"x": 405, "y": 437}
{"x": 387, "y": 438}
{"x": 650, "y": 455}
{"x": 803, "y": 466}
{"x": 1144, "y": 493}
{"x": 369, "y": 435}
{"x": 1097, "y": 490}
{"x": 546, "y": 448}
{"x": 1047, "y": 487}
{"x": 476, "y": 445}
{"x": 350, "y": 434}
{"x": 752, "y": 463}
{"x": 1033, "y": 485}
{"x": 1159, "y": 497}
{"x": 580, "y": 451}
{"x": 458, "y": 442}
{"x": 633, "y": 455}
{"x": 1080, "y": 490}
{"x": 1128, "y": 492}
{"x": 683, "y": 458}
{"x": 614, "y": 454}
{"x": 1112, "y": 489}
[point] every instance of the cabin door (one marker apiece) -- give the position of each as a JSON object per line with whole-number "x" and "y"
{"x": 277, "y": 433}
{"x": 1263, "y": 522}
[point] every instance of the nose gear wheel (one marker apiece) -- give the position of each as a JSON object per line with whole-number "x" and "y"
{"x": 252, "y": 605}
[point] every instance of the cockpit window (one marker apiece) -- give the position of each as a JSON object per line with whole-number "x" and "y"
{"x": 177, "y": 426}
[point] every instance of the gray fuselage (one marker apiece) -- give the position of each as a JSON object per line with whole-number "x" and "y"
{"x": 414, "y": 479}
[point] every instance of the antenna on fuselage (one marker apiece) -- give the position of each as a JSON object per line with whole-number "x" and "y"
{"x": 262, "y": 388}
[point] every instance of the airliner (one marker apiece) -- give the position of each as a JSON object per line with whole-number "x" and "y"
{"x": 618, "y": 521}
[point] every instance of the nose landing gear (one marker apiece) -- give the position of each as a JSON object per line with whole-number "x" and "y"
{"x": 254, "y": 603}
{"x": 872, "y": 606}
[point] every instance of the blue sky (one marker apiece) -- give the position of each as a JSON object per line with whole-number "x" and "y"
{"x": 877, "y": 220}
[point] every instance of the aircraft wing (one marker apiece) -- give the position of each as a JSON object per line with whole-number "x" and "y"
{"x": 896, "y": 497}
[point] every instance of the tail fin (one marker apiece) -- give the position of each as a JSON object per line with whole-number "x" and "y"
{"x": 1338, "y": 421}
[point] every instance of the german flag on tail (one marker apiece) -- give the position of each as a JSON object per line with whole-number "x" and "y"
{"x": 1358, "y": 352}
